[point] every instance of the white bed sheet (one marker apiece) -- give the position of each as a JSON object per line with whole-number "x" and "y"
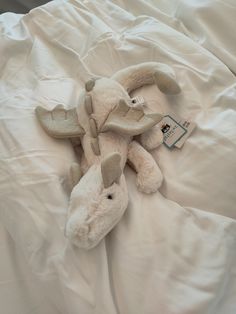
{"x": 173, "y": 252}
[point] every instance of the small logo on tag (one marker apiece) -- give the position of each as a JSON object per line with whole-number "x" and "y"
{"x": 165, "y": 128}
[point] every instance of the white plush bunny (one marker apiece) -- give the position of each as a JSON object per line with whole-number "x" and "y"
{"x": 105, "y": 124}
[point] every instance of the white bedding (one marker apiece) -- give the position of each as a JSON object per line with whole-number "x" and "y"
{"x": 173, "y": 252}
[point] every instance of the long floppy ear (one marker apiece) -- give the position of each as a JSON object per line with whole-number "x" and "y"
{"x": 126, "y": 120}
{"x": 148, "y": 73}
{"x": 111, "y": 169}
{"x": 59, "y": 122}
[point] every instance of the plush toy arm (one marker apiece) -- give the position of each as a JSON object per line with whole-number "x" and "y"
{"x": 152, "y": 138}
{"x": 149, "y": 176}
{"x": 148, "y": 73}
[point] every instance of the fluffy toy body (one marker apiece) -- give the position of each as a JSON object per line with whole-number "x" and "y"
{"x": 105, "y": 124}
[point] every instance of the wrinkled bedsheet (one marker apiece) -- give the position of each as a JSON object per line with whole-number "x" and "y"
{"x": 173, "y": 252}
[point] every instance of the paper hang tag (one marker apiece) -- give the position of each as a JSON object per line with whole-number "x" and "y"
{"x": 189, "y": 126}
{"x": 172, "y": 131}
{"x": 176, "y": 130}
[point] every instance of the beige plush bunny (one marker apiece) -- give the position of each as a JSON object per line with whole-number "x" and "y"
{"x": 105, "y": 124}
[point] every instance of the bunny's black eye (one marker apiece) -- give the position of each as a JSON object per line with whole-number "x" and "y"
{"x": 109, "y": 196}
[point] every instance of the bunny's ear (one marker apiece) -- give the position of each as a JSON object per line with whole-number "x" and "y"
{"x": 148, "y": 73}
{"x": 59, "y": 122}
{"x": 129, "y": 121}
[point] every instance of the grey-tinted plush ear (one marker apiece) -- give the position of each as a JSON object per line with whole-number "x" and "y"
{"x": 129, "y": 121}
{"x": 59, "y": 122}
{"x": 148, "y": 73}
{"x": 111, "y": 169}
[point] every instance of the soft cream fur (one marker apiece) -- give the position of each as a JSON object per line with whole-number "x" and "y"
{"x": 91, "y": 214}
{"x": 152, "y": 139}
{"x": 149, "y": 176}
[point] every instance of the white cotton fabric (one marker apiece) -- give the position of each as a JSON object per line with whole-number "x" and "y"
{"x": 173, "y": 252}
